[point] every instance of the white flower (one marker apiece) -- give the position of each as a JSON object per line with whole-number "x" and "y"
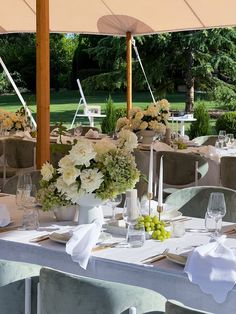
{"x": 104, "y": 146}
{"x": 122, "y": 122}
{"x": 69, "y": 174}
{"x": 82, "y": 152}
{"x": 127, "y": 139}
{"x": 143, "y": 125}
{"x": 91, "y": 179}
{"x": 65, "y": 162}
{"x": 47, "y": 171}
{"x": 152, "y": 110}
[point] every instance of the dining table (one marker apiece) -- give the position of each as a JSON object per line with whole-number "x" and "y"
{"x": 115, "y": 263}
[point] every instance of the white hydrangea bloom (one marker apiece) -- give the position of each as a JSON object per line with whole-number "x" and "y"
{"x": 104, "y": 146}
{"x": 82, "y": 152}
{"x": 143, "y": 125}
{"x": 127, "y": 140}
{"x": 122, "y": 122}
{"x": 91, "y": 180}
{"x": 47, "y": 171}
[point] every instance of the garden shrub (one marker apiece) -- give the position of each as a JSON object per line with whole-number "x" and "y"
{"x": 120, "y": 113}
{"x": 202, "y": 125}
{"x": 109, "y": 123}
{"x": 227, "y": 122}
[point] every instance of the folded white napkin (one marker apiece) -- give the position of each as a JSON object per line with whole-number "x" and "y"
{"x": 91, "y": 133}
{"x": 159, "y": 146}
{"x": 213, "y": 268}
{"x": 4, "y": 216}
{"x": 81, "y": 243}
{"x": 65, "y": 139}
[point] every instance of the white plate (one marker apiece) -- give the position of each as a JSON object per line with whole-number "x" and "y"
{"x": 169, "y": 211}
{"x": 60, "y": 237}
{"x": 178, "y": 259}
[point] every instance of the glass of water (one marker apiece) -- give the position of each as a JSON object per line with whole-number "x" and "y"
{"x": 135, "y": 235}
{"x": 23, "y": 189}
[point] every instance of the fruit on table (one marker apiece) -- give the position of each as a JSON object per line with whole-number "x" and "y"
{"x": 154, "y": 226}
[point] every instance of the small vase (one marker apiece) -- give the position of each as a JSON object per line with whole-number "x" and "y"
{"x": 90, "y": 209}
{"x": 65, "y": 213}
{"x": 147, "y": 136}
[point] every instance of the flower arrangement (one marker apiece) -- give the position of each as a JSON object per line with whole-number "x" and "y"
{"x": 104, "y": 168}
{"x": 155, "y": 117}
{"x": 17, "y": 121}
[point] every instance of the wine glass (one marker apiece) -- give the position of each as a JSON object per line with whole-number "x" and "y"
{"x": 113, "y": 202}
{"x": 24, "y": 186}
{"x": 216, "y": 209}
{"x": 221, "y": 137}
{"x": 230, "y": 139}
{"x": 30, "y": 219}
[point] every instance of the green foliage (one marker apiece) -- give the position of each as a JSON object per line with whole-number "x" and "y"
{"x": 109, "y": 123}
{"x": 202, "y": 125}
{"x": 120, "y": 113}
{"x": 4, "y": 84}
{"x": 225, "y": 97}
{"x": 227, "y": 122}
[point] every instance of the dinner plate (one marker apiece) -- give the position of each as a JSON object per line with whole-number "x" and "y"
{"x": 178, "y": 259}
{"x": 93, "y": 138}
{"x": 62, "y": 238}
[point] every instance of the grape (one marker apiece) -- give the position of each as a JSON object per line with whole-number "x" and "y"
{"x": 155, "y": 225}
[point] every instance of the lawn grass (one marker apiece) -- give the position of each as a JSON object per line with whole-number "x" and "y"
{"x": 64, "y": 103}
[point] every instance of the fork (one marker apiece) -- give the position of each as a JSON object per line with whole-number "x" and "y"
{"x": 156, "y": 257}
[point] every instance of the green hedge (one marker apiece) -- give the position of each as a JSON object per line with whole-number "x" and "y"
{"x": 227, "y": 122}
{"x": 202, "y": 125}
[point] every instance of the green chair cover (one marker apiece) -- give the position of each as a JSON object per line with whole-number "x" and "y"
{"x": 228, "y": 172}
{"x": 174, "y": 307}
{"x": 12, "y": 286}
{"x": 193, "y": 201}
{"x": 65, "y": 293}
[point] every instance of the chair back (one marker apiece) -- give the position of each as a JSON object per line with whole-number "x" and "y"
{"x": 174, "y": 307}
{"x": 20, "y": 153}
{"x": 206, "y": 140}
{"x": 58, "y": 151}
{"x": 74, "y": 294}
{"x": 193, "y": 201}
{"x": 11, "y": 184}
{"x": 228, "y": 172}
{"x": 180, "y": 168}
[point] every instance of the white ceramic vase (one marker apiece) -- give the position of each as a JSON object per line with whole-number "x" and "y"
{"x": 65, "y": 213}
{"x": 147, "y": 136}
{"x": 90, "y": 209}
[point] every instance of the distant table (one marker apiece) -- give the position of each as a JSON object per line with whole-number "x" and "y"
{"x": 182, "y": 119}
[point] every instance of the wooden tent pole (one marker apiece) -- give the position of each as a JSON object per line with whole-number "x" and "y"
{"x": 129, "y": 71}
{"x": 42, "y": 82}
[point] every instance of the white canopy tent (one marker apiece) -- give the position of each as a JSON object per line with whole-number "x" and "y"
{"x": 109, "y": 17}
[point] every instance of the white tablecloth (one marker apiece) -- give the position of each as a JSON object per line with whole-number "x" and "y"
{"x": 119, "y": 264}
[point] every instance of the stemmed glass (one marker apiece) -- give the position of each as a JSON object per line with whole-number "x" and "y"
{"x": 113, "y": 202}
{"x": 221, "y": 137}
{"x": 216, "y": 209}
{"x": 24, "y": 187}
{"x": 30, "y": 219}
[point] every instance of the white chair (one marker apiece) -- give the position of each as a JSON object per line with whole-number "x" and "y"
{"x": 90, "y": 111}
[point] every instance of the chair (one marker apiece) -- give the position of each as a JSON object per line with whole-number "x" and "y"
{"x": 73, "y": 294}
{"x": 228, "y": 172}
{"x": 19, "y": 155}
{"x": 174, "y": 307}
{"x": 206, "y": 140}
{"x": 57, "y": 151}
{"x": 11, "y": 185}
{"x": 90, "y": 112}
{"x": 180, "y": 169}
{"x": 193, "y": 201}
{"x": 18, "y": 287}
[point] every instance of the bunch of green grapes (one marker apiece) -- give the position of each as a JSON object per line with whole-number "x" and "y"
{"x": 155, "y": 225}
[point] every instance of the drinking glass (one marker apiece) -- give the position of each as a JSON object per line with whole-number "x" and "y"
{"x": 24, "y": 186}
{"x": 230, "y": 139}
{"x": 216, "y": 209}
{"x": 30, "y": 220}
{"x": 131, "y": 211}
{"x": 113, "y": 202}
{"x": 135, "y": 235}
{"x": 221, "y": 137}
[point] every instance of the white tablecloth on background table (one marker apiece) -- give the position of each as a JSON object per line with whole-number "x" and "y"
{"x": 121, "y": 264}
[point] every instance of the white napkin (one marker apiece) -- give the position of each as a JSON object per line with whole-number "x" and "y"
{"x": 4, "y": 216}
{"x": 159, "y": 146}
{"x": 65, "y": 139}
{"x": 213, "y": 268}
{"x": 82, "y": 242}
{"x": 91, "y": 133}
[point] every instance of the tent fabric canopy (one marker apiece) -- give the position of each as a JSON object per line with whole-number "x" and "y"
{"x": 114, "y": 17}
